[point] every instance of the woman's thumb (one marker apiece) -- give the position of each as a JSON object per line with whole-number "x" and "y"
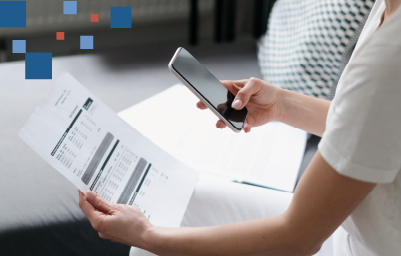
{"x": 98, "y": 202}
{"x": 243, "y": 95}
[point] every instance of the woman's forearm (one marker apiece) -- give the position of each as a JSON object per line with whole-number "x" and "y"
{"x": 304, "y": 112}
{"x": 258, "y": 237}
{"x": 322, "y": 201}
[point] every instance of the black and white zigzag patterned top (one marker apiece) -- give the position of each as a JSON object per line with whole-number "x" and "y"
{"x": 309, "y": 42}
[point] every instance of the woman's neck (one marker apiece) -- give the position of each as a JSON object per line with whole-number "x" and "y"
{"x": 391, "y": 8}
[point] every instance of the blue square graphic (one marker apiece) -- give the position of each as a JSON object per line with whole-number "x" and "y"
{"x": 38, "y": 65}
{"x": 19, "y": 46}
{"x": 86, "y": 42}
{"x": 12, "y": 14}
{"x": 70, "y": 7}
{"x": 120, "y": 17}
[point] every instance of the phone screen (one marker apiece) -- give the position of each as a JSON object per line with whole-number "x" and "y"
{"x": 209, "y": 87}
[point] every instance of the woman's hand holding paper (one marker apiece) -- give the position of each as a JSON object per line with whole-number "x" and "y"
{"x": 118, "y": 222}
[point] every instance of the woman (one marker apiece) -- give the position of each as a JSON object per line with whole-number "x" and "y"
{"x": 353, "y": 180}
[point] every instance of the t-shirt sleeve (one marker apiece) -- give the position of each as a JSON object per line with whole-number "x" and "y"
{"x": 362, "y": 139}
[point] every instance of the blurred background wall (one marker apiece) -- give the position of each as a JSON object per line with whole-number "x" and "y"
{"x": 154, "y": 23}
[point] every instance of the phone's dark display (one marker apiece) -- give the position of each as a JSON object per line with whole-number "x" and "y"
{"x": 209, "y": 87}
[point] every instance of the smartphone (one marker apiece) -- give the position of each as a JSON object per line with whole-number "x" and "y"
{"x": 207, "y": 88}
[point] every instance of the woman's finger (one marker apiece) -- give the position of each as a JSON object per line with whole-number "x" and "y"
{"x": 233, "y": 85}
{"x": 246, "y": 127}
{"x": 220, "y": 124}
{"x": 105, "y": 236}
{"x": 82, "y": 198}
{"x": 252, "y": 87}
{"x": 83, "y": 201}
{"x": 109, "y": 237}
{"x": 238, "y": 83}
{"x": 81, "y": 195}
{"x": 95, "y": 217}
{"x": 201, "y": 105}
{"x": 112, "y": 238}
{"x": 238, "y": 88}
{"x": 99, "y": 202}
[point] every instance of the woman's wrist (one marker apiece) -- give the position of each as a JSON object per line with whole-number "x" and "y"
{"x": 281, "y": 99}
{"x": 150, "y": 238}
{"x": 302, "y": 111}
{"x": 290, "y": 106}
{"x": 165, "y": 239}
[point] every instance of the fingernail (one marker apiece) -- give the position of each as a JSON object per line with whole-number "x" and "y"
{"x": 236, "y": 104}
{"x": 91, "y": 195}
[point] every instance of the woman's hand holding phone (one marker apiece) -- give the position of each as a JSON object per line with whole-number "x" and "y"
{"x": 261, "y": 98}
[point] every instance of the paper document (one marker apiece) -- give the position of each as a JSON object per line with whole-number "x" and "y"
{"x": 269, "y": 156}
{"x": 96, "y": 150}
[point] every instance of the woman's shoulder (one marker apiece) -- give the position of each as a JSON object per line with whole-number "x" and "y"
{"x": 389, "y": 32}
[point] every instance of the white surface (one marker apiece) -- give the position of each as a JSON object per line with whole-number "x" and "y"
{"x": 166, "y": 188}
{"x": 269, "y": 155}
{"x": 363, "y": 135}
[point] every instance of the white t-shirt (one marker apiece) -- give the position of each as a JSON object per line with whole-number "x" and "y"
{"x": 363, "y": 137}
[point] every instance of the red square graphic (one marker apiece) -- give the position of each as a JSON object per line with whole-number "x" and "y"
{"x": 60, "y": 35}
{"x": 94, "y": 17}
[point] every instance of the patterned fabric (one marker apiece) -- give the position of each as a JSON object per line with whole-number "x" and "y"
{"x": 309, "y": 42}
